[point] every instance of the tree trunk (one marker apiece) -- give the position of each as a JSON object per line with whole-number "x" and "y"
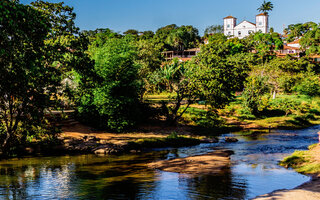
{"x": 274, "y": 94}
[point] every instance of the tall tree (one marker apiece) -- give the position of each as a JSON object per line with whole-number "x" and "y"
{"x": 111, "y": 98}
{"x": 265, "y": 7}
{"x": 26, "y": 83}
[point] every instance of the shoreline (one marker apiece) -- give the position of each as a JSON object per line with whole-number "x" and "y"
{"x": 304, "y": 162}
{"x": 309, "y": 190}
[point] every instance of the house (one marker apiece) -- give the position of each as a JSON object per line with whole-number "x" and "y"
{"x": 245, "y": 28}
{"x": 295, "y": 43}
{"x": 289, "y": 50}
{"x": 181, "y": 55}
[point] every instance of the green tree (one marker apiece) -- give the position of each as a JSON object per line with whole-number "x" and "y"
{"x": 311, "y": 41}
{"x": 178, "y": 79}
{"x": 100, "y": 35}
{"x": 172, "y": 37}
{"x": 255, "y": 88}
{"x": 147, "y": 35}
{"x": 217, "y": 75}
{"x": 296, "y": 31}
{"x": 265, "y": 7}
{"x": 111, "y": 99}
{"x": 131, "y": 32}
{"x": 265, "y": 44}
{"x": 150, "y": 59}
{"x": 27, "y": 85}
{"x": 308, "y": 85}
{"x": 213, "y": 29}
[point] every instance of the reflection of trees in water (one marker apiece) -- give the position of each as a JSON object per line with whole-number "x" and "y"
{"x": 125, "y": 177}
{"x": 219, "y": 186}
{"x": 87, "y": 177}
{"x": 30, "y": 181}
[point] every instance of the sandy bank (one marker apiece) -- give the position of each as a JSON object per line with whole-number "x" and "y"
{"x": 211, "y": 163}
{"x": 307, "y": 191}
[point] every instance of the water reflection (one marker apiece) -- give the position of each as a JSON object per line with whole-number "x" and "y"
{"x": 254, "y": 171}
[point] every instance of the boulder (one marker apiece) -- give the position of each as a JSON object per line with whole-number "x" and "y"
{"x": 209, "y": 140}
{"x": 231, "y": 139}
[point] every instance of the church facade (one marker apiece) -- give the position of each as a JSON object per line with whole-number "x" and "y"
{"x": 245, "y": 28}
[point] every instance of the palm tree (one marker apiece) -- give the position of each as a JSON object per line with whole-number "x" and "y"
{"x": 265, "y": 7}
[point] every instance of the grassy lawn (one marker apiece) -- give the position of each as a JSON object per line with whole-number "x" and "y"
{"x": 286, "y": 111}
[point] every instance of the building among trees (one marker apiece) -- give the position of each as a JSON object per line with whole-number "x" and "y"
{"x": 245, "y": 28}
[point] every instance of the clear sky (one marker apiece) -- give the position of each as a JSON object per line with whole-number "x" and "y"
{"x": 121, "y": 15}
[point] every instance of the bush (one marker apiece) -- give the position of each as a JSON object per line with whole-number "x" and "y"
{"x": 253, "y": 95}
{"x": 204, "y": 118}
{"x": 287, "y": 105}
{"x": 309, "y": 85}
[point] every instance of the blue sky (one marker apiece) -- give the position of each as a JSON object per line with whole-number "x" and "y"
{"x": 121, "y": 15}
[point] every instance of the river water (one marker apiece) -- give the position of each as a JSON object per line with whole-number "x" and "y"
{"x": 254, "y": 171}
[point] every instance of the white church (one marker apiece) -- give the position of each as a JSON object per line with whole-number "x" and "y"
{"x": 245, "y": 28}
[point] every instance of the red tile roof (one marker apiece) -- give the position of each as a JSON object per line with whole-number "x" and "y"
{"x": 262, "y": 14}
{"x": 289, "y": 47}
{"x": 295, "y": 42}
{"x": 229, "y": 17}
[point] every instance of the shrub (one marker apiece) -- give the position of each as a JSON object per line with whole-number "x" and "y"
{"x": 309, "y": 85}
{"x": 253, "y": 94}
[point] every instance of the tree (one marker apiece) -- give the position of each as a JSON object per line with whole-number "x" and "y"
{"x": 311, "y": 41}
{"x": 172, "y": 37}
{"x": 255, "y": 88}
{"x": 178, "y": 79}
{"x": 64, "y": 45}
{"x": 149, "y": 59}
{"x": 27, "y": 84}
{"x": 216, "y": 74}
{"x": 100, "y": 35}
{"x": 111, "y": 99}
{"x": 131, "y": 32}
{"x": 213, "y": 29}
{"x": 147, "y": 35}
{"x": 264, "y": 44}
{"x": 296, "y": 31}
{"x": 265, "y": 7}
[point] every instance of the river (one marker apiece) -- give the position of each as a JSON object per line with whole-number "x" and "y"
{"x": 254, "y": 171}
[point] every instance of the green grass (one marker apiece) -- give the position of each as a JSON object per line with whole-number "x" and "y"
{"x": 286, "y": 111}
{"x": 158, "y": 98}
{"x": 173, "y": 140}
{"x": 302, "y": 161}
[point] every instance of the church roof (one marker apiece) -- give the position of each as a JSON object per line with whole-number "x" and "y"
{"x": 245, "y": 21}
{"x": 229, "y": 17}
{"x": 250, "y": 22}
{"x": 263, "y": 14}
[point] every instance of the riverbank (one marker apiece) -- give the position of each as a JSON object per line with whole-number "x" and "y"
{"x": 306, "y": 162}
{"x": 84, "y": 139}
{"x": 306, "y": 191}
{"x": 212, "y": 163}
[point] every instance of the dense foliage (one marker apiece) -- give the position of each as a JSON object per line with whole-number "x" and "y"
{"x": 113, "y": 100}
{"x": 47, "y": 64}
